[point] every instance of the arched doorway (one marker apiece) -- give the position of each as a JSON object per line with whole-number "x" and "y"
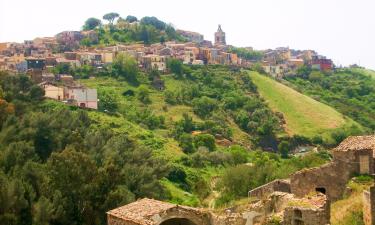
{"x": 178, "y": 221}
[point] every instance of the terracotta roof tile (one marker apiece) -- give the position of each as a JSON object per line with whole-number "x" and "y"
{"x": 141, "y": 211}
{"x": 357, "y": 143}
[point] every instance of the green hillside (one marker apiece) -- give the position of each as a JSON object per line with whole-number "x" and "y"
{"x": 349, "y": 91}
{"x": 367, "y": 72}
{"x": 303, "y": 115}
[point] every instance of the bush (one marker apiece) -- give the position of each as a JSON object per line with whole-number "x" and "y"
{"x": 283, "y": 148}
{"x": 239, "y": 154}
{"x": 205, "y": 140}
{"x": 169, "y": 97}
{"x": 176, "y": 67}
{"x": 237, "y": 181}
{"x": 186, "y": 143}
{"x": 204, "y": 106}
{"x": 143, "y": 94}
{"x": 125, "y": 66}
{"x": 108, "y": 100}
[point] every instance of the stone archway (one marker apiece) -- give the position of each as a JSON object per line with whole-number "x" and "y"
{"x": 178, "y": 221}
{"x": 182, "y": 215}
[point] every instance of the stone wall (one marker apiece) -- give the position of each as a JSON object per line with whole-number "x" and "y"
{"x": 112, "y": 220}
{"x": 267, "y": 189}
{"x": 315, "y": 214}
{"x": 229, "y": 219}
{"x": 297, "y": 216}
{"x": 331, "y": 178}
{"x": 369, "y": 206}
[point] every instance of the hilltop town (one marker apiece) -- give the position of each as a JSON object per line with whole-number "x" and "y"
{"x": 67, "y": 49}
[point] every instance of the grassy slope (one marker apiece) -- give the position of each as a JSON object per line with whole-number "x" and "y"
{"x": 368, "y": 72}
{"x": 303, "y": 115}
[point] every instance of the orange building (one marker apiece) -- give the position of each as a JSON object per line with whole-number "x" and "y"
{"x": 3, "y": 46}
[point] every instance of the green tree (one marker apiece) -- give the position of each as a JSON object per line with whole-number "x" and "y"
{"x": 205, "y": 140}
{"x": 186, "y": 143}
{"x": 187, "y": 123}
{"x": 143, "y": 94}
{"x": 237, "y": 181}
{"x": 6, "y": 109}
{"x": 92, "y": 23}
{"x": 75, "y": 175}
{"x": 169, "y": 97}
{"x": 204, "y": 106}
{"x": 153, "y": 21}
{"x": 283, "y": 148}
{"x": 145, "y": 35}
{"x": 13, "y": 201}
{"x": 131, "y": 19}
{"x": 36, "y": 93}
{"x": 43, "y": 212}
{"x": 239, "y": 154}
{"x": 110, "y": 17}
{"x": 108, "y": 100}
{"x": 126, "y": 66}
{"x": 175, "y": 67}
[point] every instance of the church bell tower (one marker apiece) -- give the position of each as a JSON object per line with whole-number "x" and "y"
{"x": 220, "y": 37}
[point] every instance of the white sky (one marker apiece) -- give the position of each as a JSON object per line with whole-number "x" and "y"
{"x": 341, "y": 29}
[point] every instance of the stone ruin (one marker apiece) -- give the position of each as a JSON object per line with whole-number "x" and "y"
{"x": 153, "y": 212}
{"x": 354, "y": 156}
{"x": 303, "y": 199}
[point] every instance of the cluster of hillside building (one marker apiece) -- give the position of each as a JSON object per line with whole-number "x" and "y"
{"x": 36, "y": 57}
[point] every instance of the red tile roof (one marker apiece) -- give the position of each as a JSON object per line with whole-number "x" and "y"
{"x": 357, "y": 143}
{"x": 141, "y": 211}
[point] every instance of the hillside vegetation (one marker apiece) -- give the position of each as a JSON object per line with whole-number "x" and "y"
{"x": 367, "y": 72}
{"x": 194, "y": 143}
{"x": 350, "y": 91}
{"x": 303, "y": 115}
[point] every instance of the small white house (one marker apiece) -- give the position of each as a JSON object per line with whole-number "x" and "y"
{"x": 82, "y": 97}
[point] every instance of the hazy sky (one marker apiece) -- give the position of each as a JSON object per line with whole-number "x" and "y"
{"x": 341, "y": 29}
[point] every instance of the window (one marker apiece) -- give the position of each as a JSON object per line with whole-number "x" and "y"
{"x": 364, "y": 164}
{"x": 321, "y": 190}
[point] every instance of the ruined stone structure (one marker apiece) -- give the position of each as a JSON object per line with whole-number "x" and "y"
{"x": 153, "y": 212}
{"x": 269, "y": 188}
{"x": 310, "y": 210}
{"x": 313, "y": 210}
{"x": 353, "y": 156}
{"x": 369, "y": 206}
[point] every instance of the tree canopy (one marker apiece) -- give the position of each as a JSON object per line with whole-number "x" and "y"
{"x": 126, "y": 66}
{"x": 110, "y": 17}
{"x": 131, "y": 19}
{"x": 92, "y": 23}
